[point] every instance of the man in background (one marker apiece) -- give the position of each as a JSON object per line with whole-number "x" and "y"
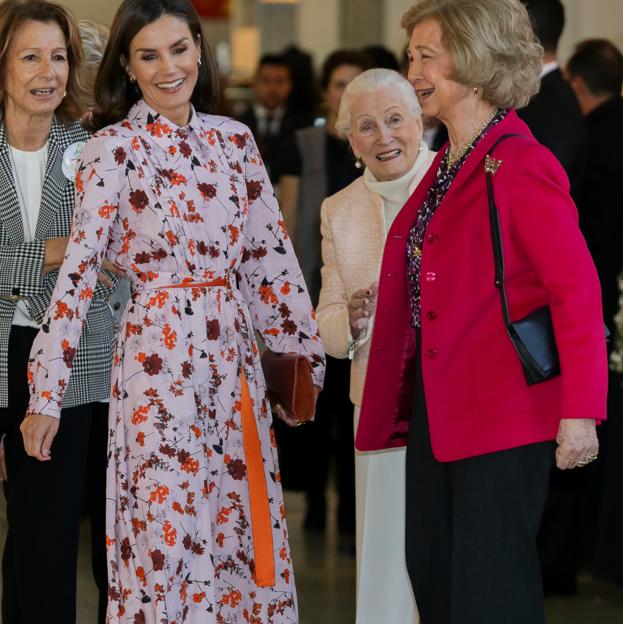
{"x": 269, "y": 117}
{"x": 595, "y": 72}
{"x": 554, "y": 115}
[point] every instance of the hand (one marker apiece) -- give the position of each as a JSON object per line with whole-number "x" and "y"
{"x": 361, "y": 307}
{"x": 54, "y": 253}
{"x": 287, "y": 417}
{"x": 38, "y": 432}
{"x": 107, "y": 265}
{"x": 3, "y": 472}
{"x": 577, "y": 442}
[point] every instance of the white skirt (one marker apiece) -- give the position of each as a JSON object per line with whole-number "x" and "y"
{"x": 384, "y": 591}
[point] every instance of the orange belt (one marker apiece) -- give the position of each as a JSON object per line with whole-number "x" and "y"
{"x": 258, "y": 493}
{"x": 261, "y": 525}
{"x": 220, "y": 281}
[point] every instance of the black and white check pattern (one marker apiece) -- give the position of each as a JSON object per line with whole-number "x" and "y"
{"x": 21, "y": 270}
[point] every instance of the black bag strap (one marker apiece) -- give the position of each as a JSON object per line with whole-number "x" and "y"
{"x": 496, "y": 233}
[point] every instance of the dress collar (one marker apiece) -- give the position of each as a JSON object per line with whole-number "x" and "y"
{"x": 161, "y": 129}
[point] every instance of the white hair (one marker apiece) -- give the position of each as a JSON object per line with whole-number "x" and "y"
{"x": 368, "y": 82}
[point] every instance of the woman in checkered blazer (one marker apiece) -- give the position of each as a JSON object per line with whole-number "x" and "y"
{"x": 40, "y": 97}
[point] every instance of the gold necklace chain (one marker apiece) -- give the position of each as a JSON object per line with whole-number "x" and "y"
{"x": 456, "y": 154}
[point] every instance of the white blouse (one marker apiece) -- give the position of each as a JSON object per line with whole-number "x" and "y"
{"x": 29, "y": 173}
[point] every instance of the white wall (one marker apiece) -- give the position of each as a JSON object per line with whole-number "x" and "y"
{"x": 98, "y": 10}
{"x": 317, "y": 27}
{"x": 591, "y": 18}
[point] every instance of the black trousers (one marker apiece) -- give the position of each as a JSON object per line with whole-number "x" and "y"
{"x": 331, "y": 435}
{"x": 471, "y": 527}
{"x": 44, "y": 505}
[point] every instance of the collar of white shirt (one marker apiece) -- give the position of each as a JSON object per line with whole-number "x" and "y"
{"x": 548, "y": 68}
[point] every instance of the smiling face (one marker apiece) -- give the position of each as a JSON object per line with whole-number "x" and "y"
{"x": 430, "y": 67}
{"x": 385, "y": 133}
{"x": 164, "y": 60}
{"x": 36, "y": 70}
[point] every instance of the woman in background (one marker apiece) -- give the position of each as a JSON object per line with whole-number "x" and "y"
{"x": 40, "y": 136}
{"x": 381, "y": 117}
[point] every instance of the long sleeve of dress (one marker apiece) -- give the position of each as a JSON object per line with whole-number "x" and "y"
{"x": 52, "y": 354}
{"x": 272, "y": 282}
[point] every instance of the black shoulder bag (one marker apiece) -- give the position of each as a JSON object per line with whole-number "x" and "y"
{"x": 533, "y": 335}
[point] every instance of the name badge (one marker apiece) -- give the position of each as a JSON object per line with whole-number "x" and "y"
{"x": 70, "y": 159}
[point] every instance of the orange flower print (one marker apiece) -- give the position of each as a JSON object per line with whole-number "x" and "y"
{"x": 267, "y": 294}
{"x": 170, "y": 337}
{"x": 170, "y": 534}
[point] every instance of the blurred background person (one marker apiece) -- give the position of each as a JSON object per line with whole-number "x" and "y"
{"x": 269, "y": 117}
{"x": 595, "y": 73}
{"x": 40, "y": 138}
{"x": 305, "y": 95}
{"x": 380, "y": 56}
{"x": 553, "y": 114}
{"x": 381, "y": 117}
{"x": 555, "y": 118}
{"x": 317, "y": 163}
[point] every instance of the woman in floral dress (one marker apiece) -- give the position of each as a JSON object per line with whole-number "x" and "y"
{"x": 180, "y": 200}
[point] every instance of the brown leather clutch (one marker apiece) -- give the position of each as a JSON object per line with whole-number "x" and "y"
{"x": 289, "y": 382}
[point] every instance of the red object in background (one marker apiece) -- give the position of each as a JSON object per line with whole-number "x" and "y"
{"x": 215, "y": 9}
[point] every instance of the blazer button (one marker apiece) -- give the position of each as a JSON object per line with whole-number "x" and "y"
{"x": 431, "y": 315}
{"x": 116, "y": 306}
{"x": 431, "y": 276}
{"x": 432, "y": 238}
{"x": 432, "y": 354}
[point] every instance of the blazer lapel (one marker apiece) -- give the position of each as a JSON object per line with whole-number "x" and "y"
{"x": 476, "y": 158}
{"x": 54, "y": 184}
{"x": 10, "y": 212}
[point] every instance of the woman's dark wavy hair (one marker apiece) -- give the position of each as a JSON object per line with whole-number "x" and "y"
{"x": 13, "y": 15}
{"x": 114, "y": 93}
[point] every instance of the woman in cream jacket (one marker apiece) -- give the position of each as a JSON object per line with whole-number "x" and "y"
{"x": 381, "y": 117}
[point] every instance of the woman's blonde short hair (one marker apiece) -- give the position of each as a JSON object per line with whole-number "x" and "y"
{"x": 369, "y": 81}
{"x": 492, "y": 44}
{"x": 94, "y": 39}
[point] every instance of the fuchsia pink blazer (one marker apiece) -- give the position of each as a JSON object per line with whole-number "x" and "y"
{"x": 476, "y": 396}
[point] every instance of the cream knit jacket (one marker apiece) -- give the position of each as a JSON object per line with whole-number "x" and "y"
{"x": 354, "y": 224}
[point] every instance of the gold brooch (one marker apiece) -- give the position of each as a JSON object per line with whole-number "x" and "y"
{"x": 492, "y": 165}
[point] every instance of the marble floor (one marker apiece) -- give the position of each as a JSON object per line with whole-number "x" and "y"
{"x": 325, "y": 569}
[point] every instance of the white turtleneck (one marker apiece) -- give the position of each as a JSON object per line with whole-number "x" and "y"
{"x": 395, "y": 193}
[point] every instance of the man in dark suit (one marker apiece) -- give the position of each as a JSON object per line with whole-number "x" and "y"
{"x": 595, "y": 72}
{"x": 269, "y": 117}
{"x": 554, "y": 115}
{"x": 555, "y": 118}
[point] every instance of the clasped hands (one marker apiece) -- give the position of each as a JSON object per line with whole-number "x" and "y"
{"x": 361, "y": 307}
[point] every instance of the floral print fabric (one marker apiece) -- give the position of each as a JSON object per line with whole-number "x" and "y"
{"x": 172, "y": 205}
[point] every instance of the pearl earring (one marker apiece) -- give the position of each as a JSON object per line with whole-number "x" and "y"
{"x": 199, "y": 62}
{"x": 358, "y": 162}
{"x": 476, "y": 90}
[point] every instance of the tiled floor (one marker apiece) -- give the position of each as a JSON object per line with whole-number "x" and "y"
{"x": 326, "y": 582}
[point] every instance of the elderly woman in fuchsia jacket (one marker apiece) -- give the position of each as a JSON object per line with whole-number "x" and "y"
{"x": 443, "y": 376}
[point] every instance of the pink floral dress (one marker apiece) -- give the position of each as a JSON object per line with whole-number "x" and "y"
{"x": 176, "y": 208}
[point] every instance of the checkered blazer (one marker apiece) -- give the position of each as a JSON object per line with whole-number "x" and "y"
{"x": 21, "y": 270}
